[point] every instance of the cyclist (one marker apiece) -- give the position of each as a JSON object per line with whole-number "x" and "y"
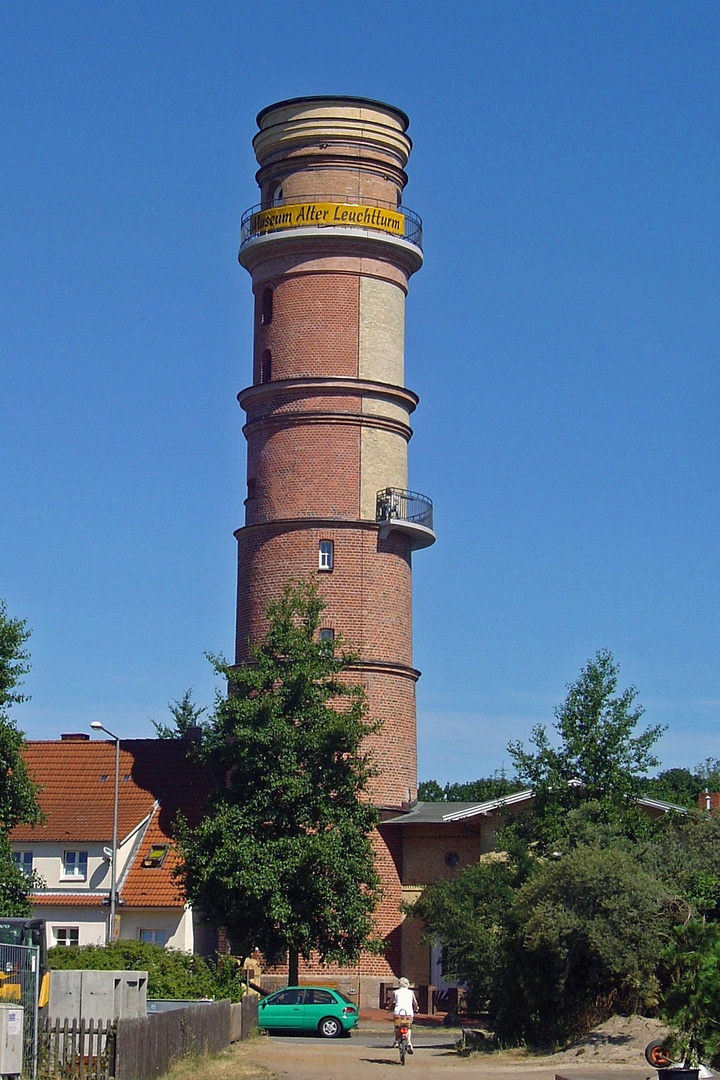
{"x": 404, "y": 1004}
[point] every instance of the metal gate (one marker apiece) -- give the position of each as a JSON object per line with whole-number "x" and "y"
{"x": 20, "y": 984}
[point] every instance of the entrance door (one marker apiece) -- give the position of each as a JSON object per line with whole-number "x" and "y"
{"x": 436, "y": 971}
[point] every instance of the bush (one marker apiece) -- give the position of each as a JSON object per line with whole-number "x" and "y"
{"x": 583, "y": 941}
{"x": 171, "y": 974}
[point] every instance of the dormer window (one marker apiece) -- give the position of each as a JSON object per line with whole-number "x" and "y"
{"x": 156, "y": 856}
{"x": 75, "y": 865}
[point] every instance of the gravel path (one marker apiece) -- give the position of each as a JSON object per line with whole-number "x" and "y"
{"x": 614, "y": 1051}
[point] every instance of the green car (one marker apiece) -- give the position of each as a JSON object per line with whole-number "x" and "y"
{"x": 308, "y": 1008}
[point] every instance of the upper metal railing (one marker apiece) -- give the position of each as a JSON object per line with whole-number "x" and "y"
{"x": 394, "y": 504}
{"x": 409, "y": 227}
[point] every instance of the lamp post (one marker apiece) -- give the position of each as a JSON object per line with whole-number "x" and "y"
{"x": 97, "y": 726}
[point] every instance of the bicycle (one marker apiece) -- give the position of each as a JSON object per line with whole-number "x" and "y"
{"x": 403, "y": 1023}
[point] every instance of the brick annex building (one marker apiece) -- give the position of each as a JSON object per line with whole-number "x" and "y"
{"x": 331, "y": 249}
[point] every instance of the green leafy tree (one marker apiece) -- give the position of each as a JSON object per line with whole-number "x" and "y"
{"x": 186, "y": 716}
{"x": 548, "y": 947}
{"x": 685, "y": 855}
{"x": 283, "y": 859}
{"x": 569, "y": 922}
{"x": 469, "y": 915}
{"x": 708, "y": 774}
{"x": 18, "y": 793}
{"x": 678, "y": 786}
{"x": 430, "y": 791}
{"x": 482, "y": 790}
{"x": 598, "y": 756}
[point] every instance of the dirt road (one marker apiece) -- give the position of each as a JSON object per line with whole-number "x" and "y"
{"x": 613, "y": 1051}
{"x": 368, "y": 1055}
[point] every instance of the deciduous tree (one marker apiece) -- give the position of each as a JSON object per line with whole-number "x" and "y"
{"x": 18, "y": 793}
{"x": 598, "y": 756}
{"x": 283, "y": 860}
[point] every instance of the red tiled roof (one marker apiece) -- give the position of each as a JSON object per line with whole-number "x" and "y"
{"x": 77, "y": 782}
{"x": 44, "y": 899}
{"x": 78, "y": 803}
{"x": 148, "y": 886}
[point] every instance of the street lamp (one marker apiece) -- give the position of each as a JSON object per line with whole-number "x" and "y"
{"x": 97, "y": 726}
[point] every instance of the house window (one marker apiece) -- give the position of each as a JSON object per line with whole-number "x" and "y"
{"x": 67, "y": 935}
{"x": 326, "y": 555}
{"x": 153, "y": 937}
{"x": 24, "y": 861}
{"x": 266, "y": 307}
{"x": 276, "y": 195}
{"x": 452, "y": 859}
{"x": 326, "y": 633}
{"x": 75, "y": 864}
{"x": 266, "y": 367}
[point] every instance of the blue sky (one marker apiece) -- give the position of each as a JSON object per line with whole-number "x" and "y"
{"x": 563, "y": 337}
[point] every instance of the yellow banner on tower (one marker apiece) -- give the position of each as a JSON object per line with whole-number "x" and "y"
{"x": 299, "y": 214}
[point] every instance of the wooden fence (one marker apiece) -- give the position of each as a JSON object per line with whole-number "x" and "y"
{"x": 84, "y": 1049}
{"x": 146, "y": 1047}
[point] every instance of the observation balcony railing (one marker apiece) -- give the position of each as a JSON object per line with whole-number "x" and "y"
{"x": 408, "y": 512}
{"x": 398, "y": 221}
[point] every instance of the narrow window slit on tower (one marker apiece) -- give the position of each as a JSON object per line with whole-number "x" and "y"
{"x": 326, "y": 555}
{"x": 266, "y": 308}
{"x": 266, "y": 367}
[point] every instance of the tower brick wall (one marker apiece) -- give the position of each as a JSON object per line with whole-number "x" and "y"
{"x": 328, "y": 416}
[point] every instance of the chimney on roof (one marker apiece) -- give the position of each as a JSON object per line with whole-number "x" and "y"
{"x": 709, "y": 800}
{"x": 75, "y": 736}
{"x": 193, "y": 734}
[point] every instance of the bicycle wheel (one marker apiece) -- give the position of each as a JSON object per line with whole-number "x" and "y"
{"x": 403, "y": 1045}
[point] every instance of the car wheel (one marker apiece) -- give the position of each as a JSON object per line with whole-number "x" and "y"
{"x": 329, "y": 1027}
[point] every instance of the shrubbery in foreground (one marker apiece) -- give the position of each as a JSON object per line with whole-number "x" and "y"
{"x": 171, "y": 974}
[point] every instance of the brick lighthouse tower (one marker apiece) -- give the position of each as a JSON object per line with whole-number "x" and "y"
{"x": 331, "y": 249}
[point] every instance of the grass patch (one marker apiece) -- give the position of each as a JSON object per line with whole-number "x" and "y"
{"x": 227, "y": 1065}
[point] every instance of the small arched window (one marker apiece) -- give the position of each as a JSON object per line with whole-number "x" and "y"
{"x": 277, "y": 196}
{"x": 266, "y": 367}
{"x": 266, "y": 307}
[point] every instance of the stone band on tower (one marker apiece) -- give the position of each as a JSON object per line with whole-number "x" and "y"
{"x": 331, "y": 249}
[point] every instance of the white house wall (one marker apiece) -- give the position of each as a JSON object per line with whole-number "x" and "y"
{"x": 176, "y": 922}
{"x": 48, "y": 863}
{"x": 89, "y": 921}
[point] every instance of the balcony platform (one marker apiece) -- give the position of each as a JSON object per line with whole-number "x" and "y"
{"x": 397, "y": 510}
